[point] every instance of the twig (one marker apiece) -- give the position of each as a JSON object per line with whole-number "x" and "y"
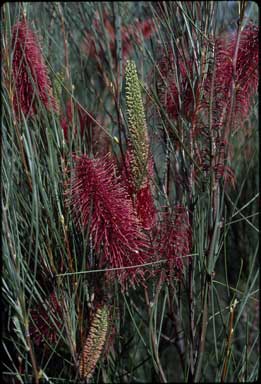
{"x": 32, "y": 356}
{"x": 203, "y": 332}
{"x": 175, "y": 318}
{"x": 153, "y": 335}
{"x": 229, "y": 340}
{"x": 121, "y": 268}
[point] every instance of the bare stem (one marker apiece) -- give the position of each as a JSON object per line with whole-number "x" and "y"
{"x": 33, "y": 359}
{"x": 203, "y": 331}
{"x": 152, "y": 333}
{"x": 176, "y": 321}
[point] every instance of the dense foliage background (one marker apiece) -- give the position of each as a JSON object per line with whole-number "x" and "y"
{"x": 73, "y": 300}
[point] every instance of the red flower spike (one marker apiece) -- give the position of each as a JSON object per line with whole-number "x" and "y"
{"x": 142, "y": 199}
{"x": 220, "y": 79}
{"x": 171, "y": 87}
{"x": 246, "y": 69}
{"x": 145, "y": 208}
{"x": 175, "y": 240}
{"x": 246, "y": 76}
{"x": 30, "y": 73}
{"x": 97, "y": 196}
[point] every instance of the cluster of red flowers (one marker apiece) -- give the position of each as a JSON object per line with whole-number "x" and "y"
{"x": 119, "y": 223}
{"x": 241, "y": 48}
{"x": 231, "y": 82}
{"x": 122, "y": 219}
{"x": 42, "y": 327}
{"x": 246, "y": 69}
{"x": 142, "y": 198}
{"x": 31, "y": 81}
{"x": 99, "y": 199}
{"x": 175, "y": 240}
{"x": 119, "y": 215}
{"x": 175, "y": 76}
{"x": 175, "y": 89}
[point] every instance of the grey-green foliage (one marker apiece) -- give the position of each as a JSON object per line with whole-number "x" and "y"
{"x": 40, "y": 238}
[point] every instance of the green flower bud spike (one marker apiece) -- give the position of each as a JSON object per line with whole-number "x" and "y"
{"x": 94, "y": 343}
{"x": 137, "y": 125}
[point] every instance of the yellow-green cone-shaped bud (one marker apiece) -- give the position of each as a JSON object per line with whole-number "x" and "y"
{"x": 137, "y": 125}
{"x": 94, "y": 343}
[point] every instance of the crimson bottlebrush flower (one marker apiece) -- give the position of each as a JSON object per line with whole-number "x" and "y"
{"x": 246, "y": 69}
{"x": 145, "y": 207}
{"x": 220, "y": 78}
{"x": 174, "y": 90}
{"x": 175, "y": 240}
{"x": 47, "y": 321}
{"x": 142, "y": 198}
{"x": 226, "y": 87}
{"x": 98, "y": 197}
{"x": 31, "y": 79}
{"x": 216, "y": 101}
